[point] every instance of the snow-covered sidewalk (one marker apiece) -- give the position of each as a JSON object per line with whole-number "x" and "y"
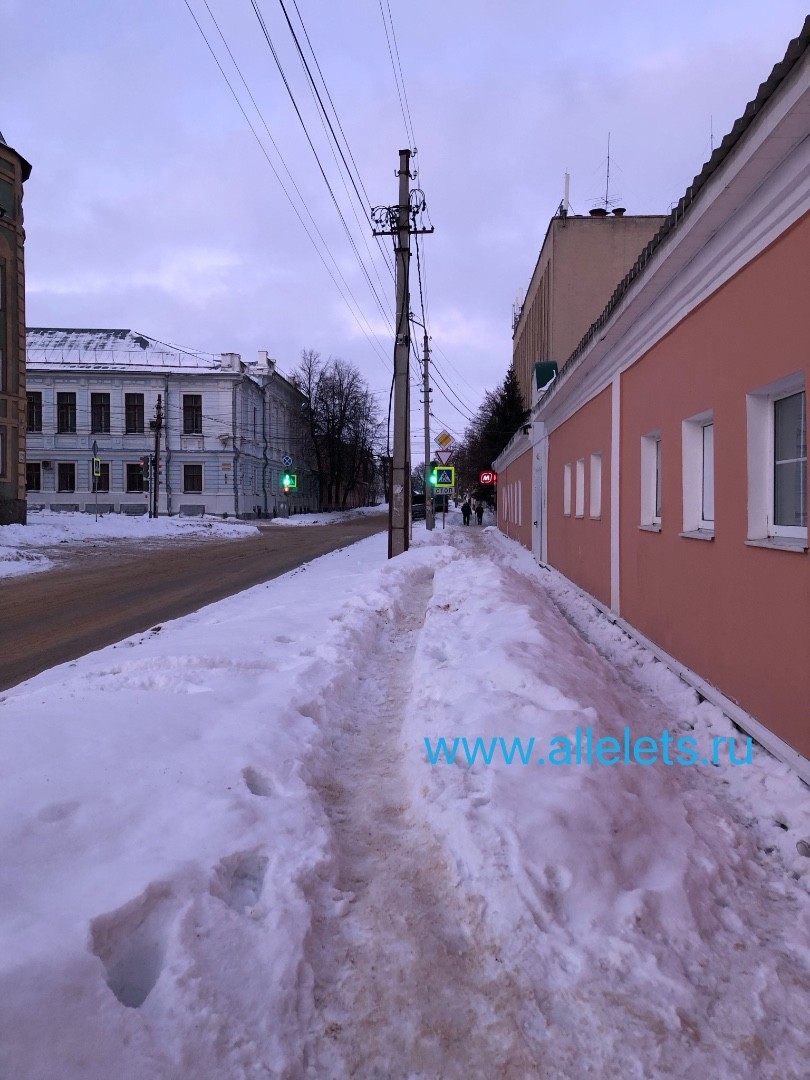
{"x": 226, "y": 853}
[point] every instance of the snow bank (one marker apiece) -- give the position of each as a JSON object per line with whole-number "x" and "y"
{"x": 660, "y": 912}
{"x": 45, "y": 530}
{"x": 160, "y": 836}
{"x": 335, "y": 517}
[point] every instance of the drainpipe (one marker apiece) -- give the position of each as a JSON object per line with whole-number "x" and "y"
{"x": 168, "y": 477}
{"x": 265, "y": 461}
{"x": 235, "y": 450}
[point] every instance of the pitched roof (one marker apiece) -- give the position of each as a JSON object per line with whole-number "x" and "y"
{"x": 95, "y": 349}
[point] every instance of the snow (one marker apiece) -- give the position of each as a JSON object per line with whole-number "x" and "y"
{"x": 333, "y": 517}
{"x": 20, "y": 544}
{"x": 226, "y": 854}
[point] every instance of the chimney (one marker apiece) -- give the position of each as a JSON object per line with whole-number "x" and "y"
{"x": 619, "y": 211}
{"x": 598, "y": 211}
{"x": 230, "y": 361}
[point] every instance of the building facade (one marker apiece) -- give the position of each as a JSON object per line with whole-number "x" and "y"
{"x": 669, "y": 457}
{"x": 14, "y": 171}
{"x": 580, "y": 262}
{"x": 226, "y": 428}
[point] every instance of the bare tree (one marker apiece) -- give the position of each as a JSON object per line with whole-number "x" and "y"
{"x": 344, "y": 428}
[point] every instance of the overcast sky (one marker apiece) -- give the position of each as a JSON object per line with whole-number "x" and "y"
{"x": 151, "y": 205}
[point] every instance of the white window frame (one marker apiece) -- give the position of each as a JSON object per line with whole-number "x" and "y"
{"x": 596, "y": 487}
{"x": 651, "y": 479}
{"x": 693, "y": 475}
{"x": 580, "y": 488}
{"x": 567, "y": 490}
{"x": 760, "y": 410}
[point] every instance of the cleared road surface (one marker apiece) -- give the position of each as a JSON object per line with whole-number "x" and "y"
{"x": 108, "y": 591}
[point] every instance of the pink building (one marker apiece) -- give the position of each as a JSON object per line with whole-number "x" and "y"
{"x": 668, "y": 460}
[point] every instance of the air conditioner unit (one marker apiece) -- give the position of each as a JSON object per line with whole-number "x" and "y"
{"x": 47, "y": 464}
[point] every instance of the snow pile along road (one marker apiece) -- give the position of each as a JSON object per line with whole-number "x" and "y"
{"x": 226, "y": 852}
{"x": 23, "y": 547}
{"x": 331, "y": 517}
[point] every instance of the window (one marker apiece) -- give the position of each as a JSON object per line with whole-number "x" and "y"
{"x": 697, "y": 450}
{"x": 34, "y": 410}
{"x": 7, "y": 201}
{"x": 651, "y": 481}
{"x": 33, "y": 476}
{"x": 66, "y": 476}
{"x": 567, "y": 491}
{"x": 580, "y": 489}
{"x": 65, "y": 412}
{"x": 133, "y": 414}
{"x": 790, "y": 462}
{"x": 103, "y": 479}
{"x": 192, "y": 414}
{"x": 2, "y": 451}
{"x": 707, "y": 488}
{"x": 100, "y": 413}
{"x": 192, "y": 478}
{"x": 596, "y": 486}
{"x": 777, "y": 463}
{"x": 135, "y": 476}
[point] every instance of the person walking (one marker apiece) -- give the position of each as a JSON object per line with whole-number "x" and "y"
{"x": 466, "y": 511}
{"x": 479, "y": 512}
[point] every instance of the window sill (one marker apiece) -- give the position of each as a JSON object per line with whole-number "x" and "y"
{"x": 650, "y": 528}
{"x": 780, "y": 543}
{"x": 698, "y": 534}
{"x": 596, "y": 517}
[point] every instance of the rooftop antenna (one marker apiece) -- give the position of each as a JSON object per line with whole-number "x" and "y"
{"x": 604, "y": 204}
{"x": 711, "y": 132}
{"x": 563, "y": 208}
{"x": 607, "y": 178}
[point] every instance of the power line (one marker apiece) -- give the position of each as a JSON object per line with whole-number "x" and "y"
{"x": 357, "y": 318}
{"x": 400, "y": 92}
{"x": 288, "y": 88}
{"x": 335, "y": 142}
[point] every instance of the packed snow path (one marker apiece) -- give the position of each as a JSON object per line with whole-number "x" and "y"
{"x": 404, "y": 982}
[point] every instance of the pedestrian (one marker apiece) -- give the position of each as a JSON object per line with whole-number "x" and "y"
{"x": 466, "y": 511}
{"x": 479, "y": 512}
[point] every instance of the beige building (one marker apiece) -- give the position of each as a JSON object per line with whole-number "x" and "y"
{"x": 581, "y": 262}
{"x": 14, "y": 171}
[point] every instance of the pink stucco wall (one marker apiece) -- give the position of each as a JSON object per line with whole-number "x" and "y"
{"x": 515, "y": 500}
{"x": 580, "y": 547}
{"x": 737, "y": 615}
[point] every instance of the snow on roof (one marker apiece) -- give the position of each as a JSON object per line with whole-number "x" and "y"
{"x": 103, "y": 349}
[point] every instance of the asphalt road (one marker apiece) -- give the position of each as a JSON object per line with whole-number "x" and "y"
{"x": 105, "y": 592}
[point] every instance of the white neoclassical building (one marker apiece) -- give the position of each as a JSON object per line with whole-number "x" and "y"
{"x": 227, "y": 428}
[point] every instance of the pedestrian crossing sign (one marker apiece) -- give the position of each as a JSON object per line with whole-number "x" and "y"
{"x": 446, "y": 477}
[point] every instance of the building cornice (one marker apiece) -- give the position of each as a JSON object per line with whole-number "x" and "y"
{"x": 752, "y": 198}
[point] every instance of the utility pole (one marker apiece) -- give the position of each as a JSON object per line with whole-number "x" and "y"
{"x": 396, "y": 221}
{"x": 400, "y": 481}
{"x": 430, "y": 520}
{"x": 158, "y": 424}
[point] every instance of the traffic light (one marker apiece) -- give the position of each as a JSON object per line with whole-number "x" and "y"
{"x": 433, "y": 473}
{"x": 289, "y": 480}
